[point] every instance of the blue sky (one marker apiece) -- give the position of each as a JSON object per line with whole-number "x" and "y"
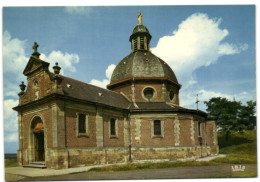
{"x": 211, "y": 49}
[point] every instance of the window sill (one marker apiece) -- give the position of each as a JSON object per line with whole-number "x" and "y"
{"x": 81, "y": 135}
{"x": 113, "y": 137}
{"x": 157, "y": 136}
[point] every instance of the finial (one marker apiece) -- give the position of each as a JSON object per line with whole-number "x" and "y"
{"x": 35, "y": 47}
{"x": 56, "y": 68}
{"x": 22, "y": 86}
{"x": 197, "y": 101}
{"x": 140, "y": 18}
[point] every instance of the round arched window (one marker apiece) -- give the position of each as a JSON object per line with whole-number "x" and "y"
{"x": 171, "y": 95}
{"x": 148, "y": 92}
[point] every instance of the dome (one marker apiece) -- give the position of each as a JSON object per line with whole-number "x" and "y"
{"x": 142, "y": 64}
{"x": 139, "y": 30}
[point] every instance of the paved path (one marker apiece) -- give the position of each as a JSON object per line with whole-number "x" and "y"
{"x": 168, "y": 173}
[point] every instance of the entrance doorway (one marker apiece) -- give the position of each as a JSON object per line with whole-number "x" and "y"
{"x": 37, "y": 141}
{"x": 39, "y": 146}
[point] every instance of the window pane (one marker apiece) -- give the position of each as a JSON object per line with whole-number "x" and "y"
{"x": 157, "y": 127}
{"x": 82, "y": 123}
{"x": 112, "y": 127}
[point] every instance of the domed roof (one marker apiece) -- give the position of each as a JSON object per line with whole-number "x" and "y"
{"x": 142, "y": 64}
{"x": 140, "y": 29}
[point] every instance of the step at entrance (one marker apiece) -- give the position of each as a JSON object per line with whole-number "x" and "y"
{"x": 38, "y": 164}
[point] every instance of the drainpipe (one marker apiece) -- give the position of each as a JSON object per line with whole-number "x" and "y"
{"x": 129, "y": 131}
{"x": 206, "y": 137}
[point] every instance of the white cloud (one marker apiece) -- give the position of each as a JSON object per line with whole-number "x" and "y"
{"x": 78, "y": 9}
{"x": 10, "y": 117}
{"x": 104, "y": 82}
{"x": 65, "y": 60}
{"x": 14, "y": 62}
{"x": 196, "y": 43}
{"x": 188, "y": 98}
{"x": 110, "y": 70}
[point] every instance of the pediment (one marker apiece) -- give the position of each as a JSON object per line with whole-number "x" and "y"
{"x": 34, "y": 64}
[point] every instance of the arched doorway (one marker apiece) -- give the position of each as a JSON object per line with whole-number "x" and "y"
{"x": 38, "y": 139}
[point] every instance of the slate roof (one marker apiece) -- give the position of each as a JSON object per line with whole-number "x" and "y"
{"x": 142, "y": 64}
{"x": 161, "y": 106}
{"x": 87, "y": 92}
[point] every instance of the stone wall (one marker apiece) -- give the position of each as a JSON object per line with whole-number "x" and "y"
{"x": 94, "y": 156}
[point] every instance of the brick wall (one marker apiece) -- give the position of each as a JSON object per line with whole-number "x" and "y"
{"x": 209, "y": 134}
{"x": 72, "y": 140}
{"x": 185, "y": 133}
{"x": 117, "y": 141}
{"x": 126, "y": 89}
{"x": 146, "y": 132}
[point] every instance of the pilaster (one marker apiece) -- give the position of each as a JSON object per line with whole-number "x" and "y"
{"x": 177, "y": 131}
{"x": 192, "y": 132}
{"x": 58, "y": 125}
{"x": 137, "y": 131}
{"x": 126, "y": 132}
{"x": 99, "y": 127}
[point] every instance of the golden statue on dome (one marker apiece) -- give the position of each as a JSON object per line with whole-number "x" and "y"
{"x": 140, "y": 18}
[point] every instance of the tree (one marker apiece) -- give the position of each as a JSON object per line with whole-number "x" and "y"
{"x": 232, "y": 115}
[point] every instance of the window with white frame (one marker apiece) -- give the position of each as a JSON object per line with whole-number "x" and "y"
{"x": 157, "y": 128}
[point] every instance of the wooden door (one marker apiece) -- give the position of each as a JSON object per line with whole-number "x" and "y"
{"x": 39, "y": 146}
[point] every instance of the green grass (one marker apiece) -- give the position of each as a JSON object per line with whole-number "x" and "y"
{"x": 239, "y": 154}
{"x": 10, "y": 163}
{"x": 136, "y": 166}
{"x": 236, "y": 138}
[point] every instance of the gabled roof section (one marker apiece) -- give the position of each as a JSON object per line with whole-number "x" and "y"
{"x": 87, "y": 92}
{"x": 34, "y": 64}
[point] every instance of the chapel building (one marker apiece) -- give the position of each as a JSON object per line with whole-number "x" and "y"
{"x": 66, "y": 123}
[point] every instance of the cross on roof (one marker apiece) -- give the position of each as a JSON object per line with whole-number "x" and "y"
{"x": 35, "y": 46}
{"x": 197, "y": 101}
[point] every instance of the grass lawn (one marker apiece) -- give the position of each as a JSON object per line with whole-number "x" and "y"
{"x": 10, "y": 163}
{"x": 136, "y": 166}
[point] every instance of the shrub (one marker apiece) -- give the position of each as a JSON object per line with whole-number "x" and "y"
{"x": 235, "y": 138}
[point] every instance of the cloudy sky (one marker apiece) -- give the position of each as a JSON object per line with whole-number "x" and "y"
{"x": 211, "y": 49}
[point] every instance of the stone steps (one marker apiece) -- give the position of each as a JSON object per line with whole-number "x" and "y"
{"x": 36, "y": 165}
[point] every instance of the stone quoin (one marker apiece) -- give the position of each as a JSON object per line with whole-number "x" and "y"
{"x": 66, "y": 123}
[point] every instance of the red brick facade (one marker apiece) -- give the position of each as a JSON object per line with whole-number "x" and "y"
{"x": 79, "y": 124}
